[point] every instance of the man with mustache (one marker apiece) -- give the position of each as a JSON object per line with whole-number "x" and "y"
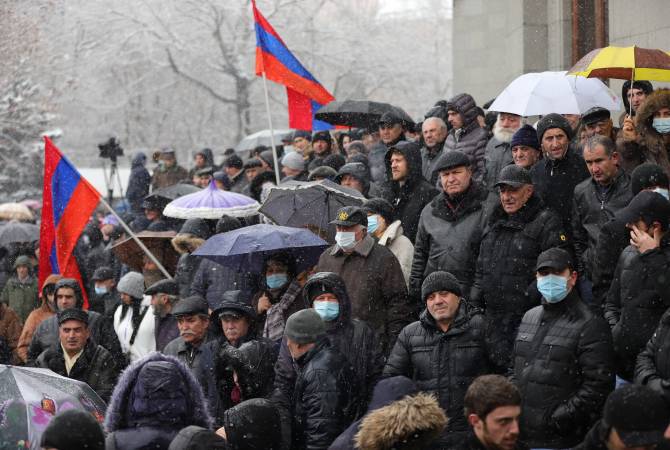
{"x": 192, "y": 316}
{"x": 499, "y": 148}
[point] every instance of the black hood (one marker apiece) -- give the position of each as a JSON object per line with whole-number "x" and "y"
{"x": 139, "y": 159}
{"x": 466, "y": 107}
{"x": 334, "y": 282}
{"x": 208, "y": 155}
{"x": 412, "y": 153}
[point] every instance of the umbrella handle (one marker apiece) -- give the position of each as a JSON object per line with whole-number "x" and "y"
{"x": 630, "y": 104}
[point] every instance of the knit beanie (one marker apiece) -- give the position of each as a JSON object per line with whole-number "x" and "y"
{"x": 304, "y": 326}
{"x": 293, "y": 160}
{"x": 553, "y": 120}
{"x": 526, "y": 135}
{"x": 440, "y": 281}
{"x": 73, "y": 430}
{"x": 647, "y": 175}
{"x": 132, "y": 284}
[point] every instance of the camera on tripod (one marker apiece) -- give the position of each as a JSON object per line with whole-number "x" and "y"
{"x": 110, "y": 149}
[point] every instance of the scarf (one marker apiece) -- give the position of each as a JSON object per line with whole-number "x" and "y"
{"x": 274, "y": 318}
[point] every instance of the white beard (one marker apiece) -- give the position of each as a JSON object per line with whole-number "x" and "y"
{"x": 503, "y": 134}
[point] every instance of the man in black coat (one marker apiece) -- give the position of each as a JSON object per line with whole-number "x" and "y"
{"x": 445, "y": 350}
{"x": 556, "y": 176}
{"x": 78, "y": 357}
{"x": 138, "y": 182}
{"x": 519, "y": 229}
{"x": 406, "y": 189}
{"x": 451, "y": 226}
{"x": 321, "y": 404}
{"x": 563, "y": 359}
{"x": 640, "y": 291}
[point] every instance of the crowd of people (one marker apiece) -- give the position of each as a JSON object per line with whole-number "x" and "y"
{"x": 504, "y": 286}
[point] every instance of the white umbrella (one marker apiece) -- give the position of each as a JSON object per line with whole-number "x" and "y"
{"x": 534, "y": 94}
{"x": 260, "y": 138}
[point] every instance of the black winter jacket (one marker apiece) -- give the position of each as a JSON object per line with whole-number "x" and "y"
{"x": 470, "y": 139}
{"x": 614, "y": 237}
{"x": 321, "y": 402}
{"x": 591, "y": 209}
{"x": 138, "y": 182}
{"x": 409, "y": 199}
{"x": 95, "y": 367}
{"x": 472, "y": 442}
{"x": 505, "y": 278}
{"x": 449, "y": 238}
{"x": 563, "y": 365}
{"x": 555, "y": 182}
{"x": 446, "y": 363}
{"x": 653, "y": 363}
{"x": 636, "y": 301}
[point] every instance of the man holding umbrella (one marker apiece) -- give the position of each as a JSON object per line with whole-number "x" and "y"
{"x": 371, "y": 274}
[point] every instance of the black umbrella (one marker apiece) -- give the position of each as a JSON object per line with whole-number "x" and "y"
{"x": 173, "y": 192}
{"x": 18, "y": 232}
{"x": 359, "y": 113}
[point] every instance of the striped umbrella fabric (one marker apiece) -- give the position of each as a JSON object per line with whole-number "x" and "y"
{"x": 624, "y": 63}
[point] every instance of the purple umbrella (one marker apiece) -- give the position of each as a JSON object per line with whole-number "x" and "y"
{"x": 211, "y": 203}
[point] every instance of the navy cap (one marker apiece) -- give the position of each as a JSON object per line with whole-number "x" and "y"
{"x": 350, "y": 216}
{"x": 595, "y": 114}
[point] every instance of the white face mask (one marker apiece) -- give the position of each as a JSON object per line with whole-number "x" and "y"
{"x": 345, "y": 239}
{"x": 663, "y": 192}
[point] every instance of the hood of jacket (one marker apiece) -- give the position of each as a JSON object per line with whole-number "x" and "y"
{"x": 409, "y": 423}
{"x": 139, "y": 159}
{"x": 208, "y": 155}
{"x": 391, "y": 389}
{"x": 336, "y": 284}
{"x": 466, "y": 106}
{"x": 648, "y": 136}
{"x": 157, "y": 391}
{"x": 72, "y": 284}
{"x": 253, "y": 425}
{"x": 412, "y": 153}
{"x": 190, "y": 239}
{"x": 195, "y": 438}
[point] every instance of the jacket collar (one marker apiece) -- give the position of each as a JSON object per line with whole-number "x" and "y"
{"x": 566, "y": 304}
{"x": 523, "y": 216}
{"x": 458, "y": 326}
{"x": 471, "y": 200}
{"x": 392, "y": 231}
{"x": 363, "y": 247}
{"x": 321, "y": 343}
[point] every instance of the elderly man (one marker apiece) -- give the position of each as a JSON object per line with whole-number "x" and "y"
{"x": 556, "y": 176}
{"x": 563, "y": 359}
{"x": 78, "y": 357}
{"x": 526, "y": 150}
{"x": 519, "y": 229}
{"x": 355, "y": 175}
{"x": 445, "y": 350}
{"x": 451, "y": 225}
{"x": 434, "y": 132}
{"x": 371, "y": 273}
{"x": 466, "y": 134}
{"x": 598, "y": 121}
{"x": 499, "y": 148}
{"x": 168, "y": 171}
{"x": 164, "y": 296}
{"x": 192, "y": 317}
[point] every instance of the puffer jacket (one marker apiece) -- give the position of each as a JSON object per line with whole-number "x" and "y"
{"x": 449, "y": 238}
{"x": 564, "y": 367}
{"x": 471, "y": 139}
{"x": 636, "y": 301}
{"x": 409, "y": 199}
{"x": 153, "y": 400}
{"x": 446, "y": 363}
{"x": 613, "y": 238}
{"x": 555, "y": 180}
{"x": 321, "y": 403}
{"x": 95, "y": 367}
{"x": 504, "y": 283}
{"x": 591, "y": 209}
{"x": 653, "y": 363}
{"x": 498, "y": 155}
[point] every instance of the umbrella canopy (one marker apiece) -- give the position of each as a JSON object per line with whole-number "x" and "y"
{"x": 260, "y": 138}
{"x": 359, "y": 113}
{"x": 246, "y": 249}
{"x": 158, "y": 242}
{"x": 16, "y": 211}
{"x": 18, "y": 232}
{"x": 30, "y": 397}
{"x": 624, "y": 63}
{"x": 534, "y": 94}
{"x": 173, "y": 192}
{"x": 313, "y": 204}
{"x": 211, "y": 203}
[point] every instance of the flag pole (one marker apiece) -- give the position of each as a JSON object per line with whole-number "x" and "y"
{"x": 272, "y": 131}
{"x": 136, "y": 239}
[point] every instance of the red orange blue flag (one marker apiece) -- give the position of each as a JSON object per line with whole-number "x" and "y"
{"x": 68, "y": 201}
{"x": 305, "y": 94}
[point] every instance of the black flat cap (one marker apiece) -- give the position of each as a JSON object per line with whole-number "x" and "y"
{"x": 595, "y": 114}
{"x": 349, "y": 216}
{"x": 103, "y": 273}
{"x": 452, "y": 159}
{"x": 73, "y": 314}
{"x": 554, "y": 258}
{"x": 513, "y": 175}
{"x": 205, "y": 171}
{"x": 191, "y": 306}
{"x": 169, "y": 287}
{"x": 389, "y": 118}
{"x": 235, "y": 304}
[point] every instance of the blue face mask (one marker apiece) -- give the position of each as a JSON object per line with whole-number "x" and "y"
{"x": 373, "y": 223}
{"x": 345, "y": 239}
{"x": 327, "y": 310}
{"x": 276, "y": 281}
{"x": 100, "y": 290}
{"x": 663, "y": 192}
{"x": 662, "y": 125}
{"x": 553, "y": 288}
